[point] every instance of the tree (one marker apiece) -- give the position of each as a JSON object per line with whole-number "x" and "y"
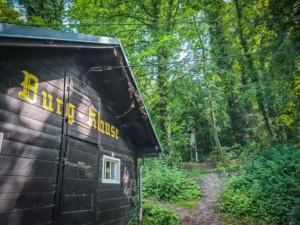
{"x": 8, "y": 14}
{"x": 50, "y": 14}
{"x": 236, "y": 65}
{"x": 150, "y": 36}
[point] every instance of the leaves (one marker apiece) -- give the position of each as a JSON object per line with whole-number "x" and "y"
{"x": 157, "y": 215}
{"x": 244, "y": 53}
{"x": 267, "y": 191}
{"x": 8, "y": 14}
{"x": 169, "y": 184}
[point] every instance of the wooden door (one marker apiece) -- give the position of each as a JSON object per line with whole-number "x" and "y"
{"x": 79, "y": 183}
{"x": 80, "y": 160}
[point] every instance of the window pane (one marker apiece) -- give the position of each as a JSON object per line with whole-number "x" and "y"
{"x": 107, "y": 170}
{"x": 112, "y": 170}
{"x": 117, "y": 168}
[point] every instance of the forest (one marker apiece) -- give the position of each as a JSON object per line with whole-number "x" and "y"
{"x": 229, "y": 68}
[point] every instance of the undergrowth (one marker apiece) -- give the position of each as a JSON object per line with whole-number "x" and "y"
{"x": 158, "y": 215}
{"x": 168, "y": 183}
{"x": 191, "y": 204}
{"x": 164, "y": 181}
{"x": 266, "y": 191}
{"x": 135, "y": 205}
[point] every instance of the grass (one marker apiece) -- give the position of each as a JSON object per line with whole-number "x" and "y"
{"x": 192, "y": 204}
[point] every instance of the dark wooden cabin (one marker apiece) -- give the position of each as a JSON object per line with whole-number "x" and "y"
{"x": 69, "y": 134}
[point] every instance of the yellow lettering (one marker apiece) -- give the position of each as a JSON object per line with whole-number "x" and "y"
{"x": 30, "y": 85}
{"x": 107, "y": 128}
{"x": 49, "y": 106}
{"x": 112, "y": 131}
{"x": 117, "y": 131}
{"x": 100, "y": 123}
{"x": 59, "y": 103}
{"x": 70, "y": 113}
{"x": 30, "y": 91}
{"x": 92, "y": 114}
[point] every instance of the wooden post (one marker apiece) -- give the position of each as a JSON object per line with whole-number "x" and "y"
{"x": 196, "y": 150}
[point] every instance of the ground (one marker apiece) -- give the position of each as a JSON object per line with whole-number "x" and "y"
{"x": 204, "y": 215}
{"x": 211, "y": 185}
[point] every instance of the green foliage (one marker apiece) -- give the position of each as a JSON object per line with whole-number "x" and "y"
{"x": 196, "y": 173}
{"x": 230, "y": 159}
{"x": 158, "y": 215}
{"x": 45, "y": 13}
{"x": 233, "y": 157}
{"x": 267, "y": 190}
{"x": 254, "y": 97}
{"x": 168, "y": 183}
{"x": 251, "y": 83}
{"x": 252, "y": 74}
{"x": 8, "y": 14}
{"x": 190, "y": 204}
{"x": 135, "y": 205}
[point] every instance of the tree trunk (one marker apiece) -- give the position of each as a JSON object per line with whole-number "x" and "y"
{"x": 212, "y": 116}
{"x": 213, "y": 123}
{"x": 254, "y": 74}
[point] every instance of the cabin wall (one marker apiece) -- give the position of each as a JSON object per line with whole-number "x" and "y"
{"x": 36, "y": 138}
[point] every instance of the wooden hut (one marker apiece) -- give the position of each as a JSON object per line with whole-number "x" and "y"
{"x": 72, "y": 125}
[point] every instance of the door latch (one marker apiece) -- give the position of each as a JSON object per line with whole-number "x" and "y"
{"x": 67, "y": 163}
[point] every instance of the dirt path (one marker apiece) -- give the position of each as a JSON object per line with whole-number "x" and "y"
{"x": 204, "y": 215}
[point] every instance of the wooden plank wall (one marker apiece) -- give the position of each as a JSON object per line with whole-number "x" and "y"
{"x": 33, "y": 136}
{"x": 32, "y": 140}
{"x": 114, "y": 200}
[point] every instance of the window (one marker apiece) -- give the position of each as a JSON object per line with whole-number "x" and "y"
{"x": 110, "y": 170}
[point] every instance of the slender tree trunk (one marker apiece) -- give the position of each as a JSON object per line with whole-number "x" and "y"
{"x": 220, "y": 46}
{"x": 161, "y": 107}
{"x": 213, "y": 123}
{"x": 168, "y": 125}
{"x": 212, "y": 116}
{"x": 163, "y": 55}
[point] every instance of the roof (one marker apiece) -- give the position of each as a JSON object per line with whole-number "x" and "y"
{"x": 103, "y": 53}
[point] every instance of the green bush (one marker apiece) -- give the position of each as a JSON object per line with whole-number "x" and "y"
{"x": 168, "y": 183}
{"x": 268, "y": 189}
{"x": 234, "y": 156}
{"x": 158, "y": 215}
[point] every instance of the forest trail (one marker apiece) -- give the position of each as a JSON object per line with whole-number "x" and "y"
{"x": 211, "y": 186}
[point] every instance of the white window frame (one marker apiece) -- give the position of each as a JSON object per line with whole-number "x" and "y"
{"x": 117, "y": 170}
